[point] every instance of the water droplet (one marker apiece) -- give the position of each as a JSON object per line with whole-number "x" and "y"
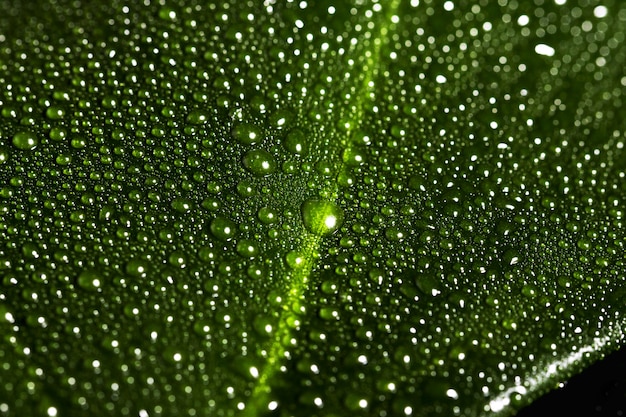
{"x": 394, "y": 234}
{"x": 58, "y": 133}
{"x": 321, "y": 217}
{"x": 329, "y": 313}
{"x": 267, "y": 215}
{"x": 245, "y": 188}
{"x": 89, "y": 280}
{"x": 4, "y": 154}
{"x": 429, "y": 285}
{"x": 202, "y": 327}
{"x": 248, "y": 248}
{"x": 353, "y": 157}
{"x": 296, "y": 143}
{"x": 529, "y": 290}
{"x": 25, "y": 141}
{"x": 325, "y": 168}
{"x": 223, "y": 228}
{"x": 55, "y": 113}
{"x": 109, "y": 102}
{"x": 167, "y": 13}
{"x": 78, "y": 143}
{"x": 256, "y": 271}
{"x": 136, "y": 268}
{"x": 197, "y": 117}
{"x": 294, "y": 259}
{"x": 281, "y": 119}
{"x": 259, "y": 162}
{"x": 177, "y": 259}
{"x": 182, "y": 205}
{"x": 584, "y": 244}
{"x": 248, "y": 134}
{"x": 263, "y": 325}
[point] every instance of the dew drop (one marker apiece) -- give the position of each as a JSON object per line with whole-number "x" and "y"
{"x": 25, "y": 141}
{"x": 294, "y": 259}
{"x": 223, "y": 228}
{"x": 182, "y": 205}
{"x": 259, "y": 162}
{"x": 329, "y": 313}
{"x": 394, "y": 234}
{"x": 167, "y": 13}
{"x": 177, "y": 259}
{"x": 247, "y": 248}
{"x": 584, "y": 244}
{"x": 58, "y": 133}
{"x": 55, "y": 113}
{"x": 89, "y": 280}
{"x": 543, "y": 49}
{"x": 136, "y": 268}
{"x": 267, "y": 215}
{"x": 353, "y": 157}
{"x": 263, "y": 325}
{"x": 247, "y": 133}
{"x": 78, "y": 143}
{"x": 197, "y": 117}
{"x": 4, "y": 155}
{"x": 256, "y": 271}
{"x": 296, "y": 143}
{"x": 245, "y": 188}
{"x": 281, "y": 119}
{"x": 429, "y": 285}
{"x": 202, "y": 327}
{"x": 321, "y": 217}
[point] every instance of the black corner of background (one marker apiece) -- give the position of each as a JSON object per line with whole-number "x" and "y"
{"x": 599, "y": 391}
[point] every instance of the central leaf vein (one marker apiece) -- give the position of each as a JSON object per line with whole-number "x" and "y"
{"x": 298, "y": 279}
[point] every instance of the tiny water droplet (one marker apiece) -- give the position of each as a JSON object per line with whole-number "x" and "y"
{"x": 353, "y": 157}
{"x": 177, "y": 259}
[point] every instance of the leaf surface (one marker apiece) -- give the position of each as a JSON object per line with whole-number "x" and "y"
{"x": 312, "y": 208}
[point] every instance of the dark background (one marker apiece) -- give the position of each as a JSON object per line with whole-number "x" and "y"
{"x": 597, "y": 392}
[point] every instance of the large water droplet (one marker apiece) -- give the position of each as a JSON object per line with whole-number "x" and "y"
{"x": 248, "y": 248}
{"x": 247, "y": 133}
{"x": 296, "y": 143}
{"x": 259, "y": 162}
{"x": 89, "y": 280}
{"x": 25, "y": 141}
{"x": 4, "y": 155}
{"x": 428, "y": 284}
{"x": 321, "y": 217}
{"x": 223, "y": 228}
{"x": 197, "y": 117}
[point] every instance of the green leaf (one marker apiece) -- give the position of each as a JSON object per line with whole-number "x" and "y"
{"x": 308, "y": 208}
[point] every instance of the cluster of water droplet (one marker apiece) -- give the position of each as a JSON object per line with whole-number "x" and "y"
{"x": 373, "y": 209}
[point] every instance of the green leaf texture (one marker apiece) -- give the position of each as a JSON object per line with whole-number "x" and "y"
{"x": 308, "y": 208}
